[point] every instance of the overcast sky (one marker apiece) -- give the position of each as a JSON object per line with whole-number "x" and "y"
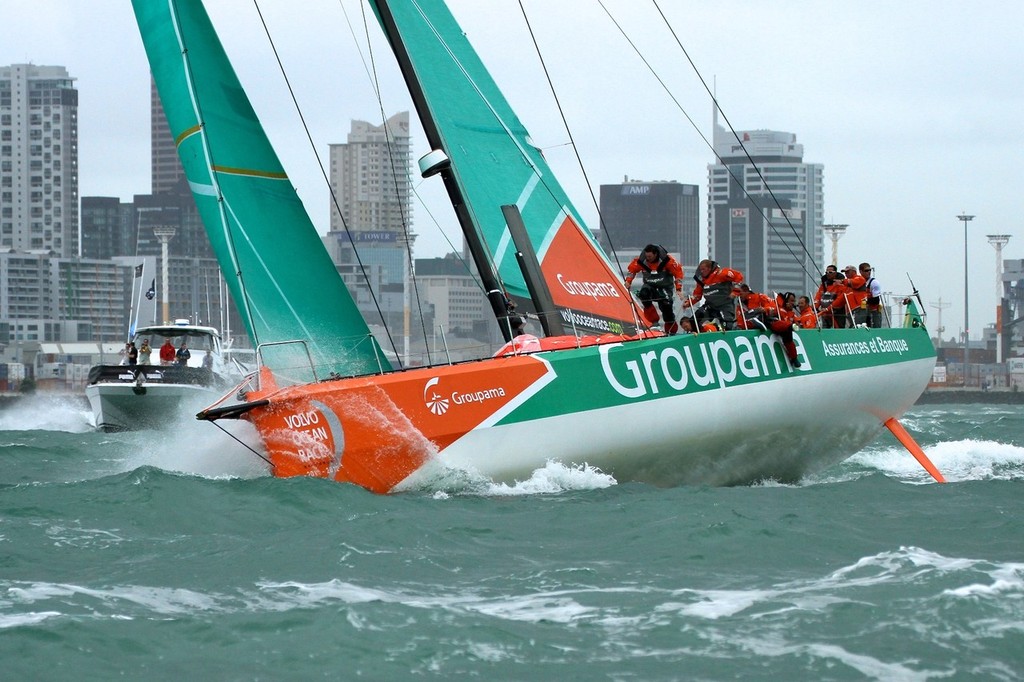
{"x": 914, "y": 108}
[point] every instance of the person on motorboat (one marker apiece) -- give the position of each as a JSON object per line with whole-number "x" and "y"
{"x": 167, "y": 353}
{"x": 145, "y": 353}
{"x": 183, "y": 354}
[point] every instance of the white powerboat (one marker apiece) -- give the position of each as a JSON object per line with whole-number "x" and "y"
{"x": 127, "y": 397}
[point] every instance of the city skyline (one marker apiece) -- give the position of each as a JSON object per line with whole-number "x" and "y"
{"x": 905, "y": 107}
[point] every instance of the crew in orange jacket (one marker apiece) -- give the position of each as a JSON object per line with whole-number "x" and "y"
{"x": 832, "y": 288}
{"x": 660, "y": 272}
{"x": 805, "y": 316}
{"x": 775, "y": 315}
{"x": 715, "y": 284}
{"x": 753, "y": 309}
{"x": 851, "y": 297}
{"x": 784, "y": 324}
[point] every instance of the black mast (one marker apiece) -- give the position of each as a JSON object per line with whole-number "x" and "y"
{"x": 495, "y": 292}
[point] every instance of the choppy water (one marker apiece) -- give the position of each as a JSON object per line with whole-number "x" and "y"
{"x": 172, "y": 555}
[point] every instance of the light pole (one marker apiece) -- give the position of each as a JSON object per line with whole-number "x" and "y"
{"x": 967, "y": 336}
{"x": 998, "y": 241}
{"x": 835, "y": 231}
{"x": 165, "y": 233}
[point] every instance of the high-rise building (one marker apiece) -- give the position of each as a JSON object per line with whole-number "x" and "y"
{"x": 638, "y": 213}
{"x": 165, "y": 166}
{"x": 109, "y": 227}
{"x": 372, "y": 185}
{"x": 38, "y": 159}
{"x": 765, "y": 210}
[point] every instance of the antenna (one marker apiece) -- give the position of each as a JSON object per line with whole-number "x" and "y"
{"x": 939, "y": 306}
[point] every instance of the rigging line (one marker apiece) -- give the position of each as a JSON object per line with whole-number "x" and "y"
{"x": 469, "y": 208}
{"x": 398, "y": 200}
{"x": 323, "y": 171}
{"x": 579, "y": 160}
{"x": 710, "y": 146}
{"x": 764, "y": 182}
{"x": 355, "y": 41}
{"x": 568, "y": 131}
{"x": 454, "y": 249}
{"x": 244, "y": 445}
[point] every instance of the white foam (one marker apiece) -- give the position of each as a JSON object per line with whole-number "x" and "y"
{"x": 816, "y": 594}
{"x": 25, "y": 619}
{"x": 190, "y": 446}
{"x": 164, "y": 601}
{"x": 43, "y": 412}
{"x": 961, "y": 460}
{"x": 552, "y": 607}
{"x": 555, "y": 477}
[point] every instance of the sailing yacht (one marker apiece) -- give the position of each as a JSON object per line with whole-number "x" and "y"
{"x": 327, "y": 401}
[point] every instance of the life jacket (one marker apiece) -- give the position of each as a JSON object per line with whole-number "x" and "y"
{"x": 856, "y": 293}
{"x": 661, "y": 275}
{"x": 873, "y": 301}
{"x": 716, "y": 287}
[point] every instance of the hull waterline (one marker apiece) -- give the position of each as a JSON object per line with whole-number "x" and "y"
{"x": 719, "y": 409}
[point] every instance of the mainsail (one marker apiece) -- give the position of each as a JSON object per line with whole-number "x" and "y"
{"x": 279, "y": 273}
{"x": 494, "y": 163}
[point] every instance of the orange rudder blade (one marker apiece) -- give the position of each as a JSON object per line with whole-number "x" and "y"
{"x": 911, "y": 445}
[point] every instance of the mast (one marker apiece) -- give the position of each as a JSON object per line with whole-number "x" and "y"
{"x": 495, "y": 292}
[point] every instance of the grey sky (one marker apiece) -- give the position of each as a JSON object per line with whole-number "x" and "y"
{"x": 914, "y": 108}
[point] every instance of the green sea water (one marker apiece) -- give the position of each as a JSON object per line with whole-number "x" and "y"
{"x": 172, "y": 555}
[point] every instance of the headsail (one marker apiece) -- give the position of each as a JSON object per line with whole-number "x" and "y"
{"x": 275, "y": 265}
{"x": 494, "y": 162}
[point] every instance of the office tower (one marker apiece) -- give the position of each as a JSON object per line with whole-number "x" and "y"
{"x": 765, "y": 211}
{"x": 165, "y": 166}
{"x": 638, "y": 213}
{"x": 372, "y": 185}
{"x": 109, "y": 227}
{"x": 38, "y": 159}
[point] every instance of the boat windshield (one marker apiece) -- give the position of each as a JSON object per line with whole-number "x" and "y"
{"x": 196, "y": 341}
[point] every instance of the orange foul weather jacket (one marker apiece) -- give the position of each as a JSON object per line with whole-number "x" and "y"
{"x": 852, "y": 294}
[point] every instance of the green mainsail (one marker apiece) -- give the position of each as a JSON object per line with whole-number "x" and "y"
{"x": 276, "y": 267}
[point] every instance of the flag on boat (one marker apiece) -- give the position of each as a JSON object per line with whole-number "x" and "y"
{"x": 152, "y": 289}
{"x": 138, "y": 270}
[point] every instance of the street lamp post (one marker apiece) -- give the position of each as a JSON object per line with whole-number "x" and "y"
{"x": 967, "y": 308}
{"x": 165, "y": 233}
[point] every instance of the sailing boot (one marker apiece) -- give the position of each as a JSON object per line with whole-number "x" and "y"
{"x": 790, "y": 348}
{"x": 651, "y": 314}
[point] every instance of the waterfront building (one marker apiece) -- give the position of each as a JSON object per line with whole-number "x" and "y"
{"x": 166, "y": 172}
{"x": 371, "y": 183}
{"x": 38, "y": 160}
{"x": 636, "y": 213}
{"x": 765, "y": 212}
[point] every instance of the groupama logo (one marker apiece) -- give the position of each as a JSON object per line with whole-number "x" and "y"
{"x": 434, "y": 402}
{"x": 438, "y": 404}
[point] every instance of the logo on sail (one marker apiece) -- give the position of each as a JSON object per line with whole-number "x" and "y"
{"x": 435, "y": 403}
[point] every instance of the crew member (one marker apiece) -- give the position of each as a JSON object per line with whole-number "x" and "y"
{"x": 661, "y": 272}
{"x": 874, "y": 299}
{"x": 715, "y": 284}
